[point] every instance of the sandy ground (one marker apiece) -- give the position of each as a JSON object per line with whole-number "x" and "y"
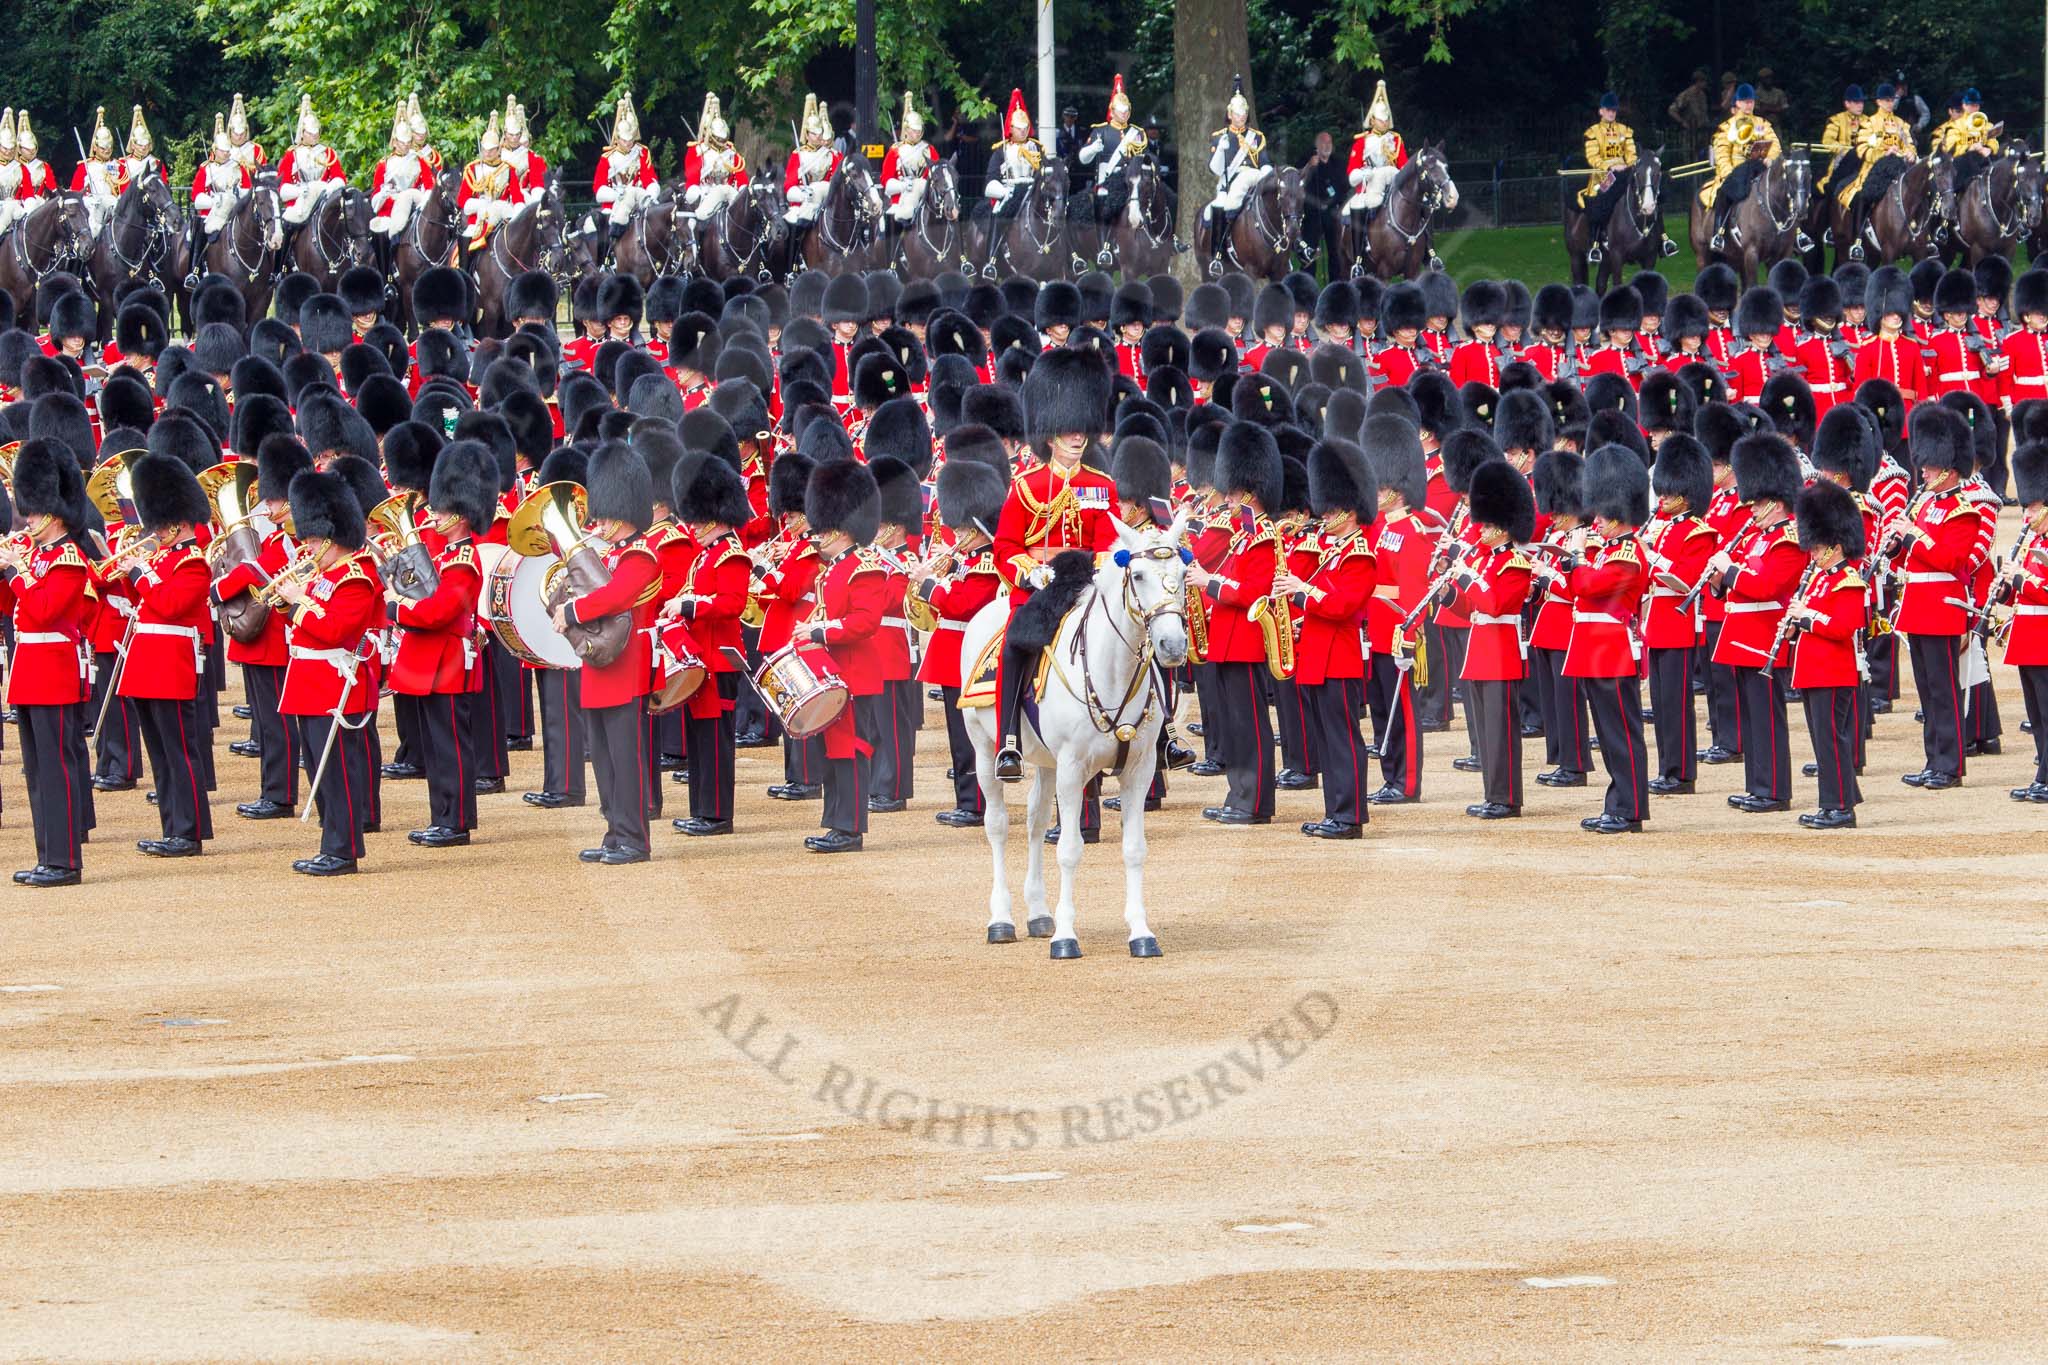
{"x": 1745, "y": 1089}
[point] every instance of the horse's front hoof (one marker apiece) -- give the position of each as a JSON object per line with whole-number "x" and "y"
{"x": 1039, "y": 926}
{"x": 1065, "y": 949}
{"x": 1002, "y": 933}
{"x": 1147, "y": 946}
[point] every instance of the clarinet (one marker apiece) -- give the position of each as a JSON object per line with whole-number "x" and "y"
{"x": 1788, "y": 624}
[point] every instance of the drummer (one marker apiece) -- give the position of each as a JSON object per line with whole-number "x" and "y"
{"x": 710, "y": 500}
{"x": 843, "y": 506}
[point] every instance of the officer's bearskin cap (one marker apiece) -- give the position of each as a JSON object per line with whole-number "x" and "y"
{"x": 1617, "y": 485}
{"x": 1828, "y": 515}
{"x": 1393, "y": 445}
{"x": 843, "y": 496}
{"x": 1502, "y": 497}
{"x": 1683, "y": 470}
{"x": 1766, "y": 470}
{"x": 1067, "y": 392}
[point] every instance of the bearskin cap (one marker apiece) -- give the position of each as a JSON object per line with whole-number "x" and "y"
{"x": 1439, "y": 294}
{"x": 1719, "y": 426}
{"x": 1888, "y": 292}
{"x": 61, "y": 417}
{"x": 1058, "y": 303}
{"x": 1766, "y": 470}
{"x": 1655, "y": 291}
{"x": 1340, "y": 479}
{"x": 918, "y": 301}
{"x": 665, "y": 302}
{"x": 1976, "y": 415}
{"x": 1141, "y": 470}
{"x": 1438, "y": 408}
{"x": 1334, "y": 367}
{"x": 74, "y": 315}
{"x": 1828, "y": 515}
{"x": 1337, "y": 305}
{"x": 1665, "y": 404}
{"x": 532, "y": 294}
{"x": 1820, "y": 300}
{"x": 1558, "y": 480}
{"x": 1685, "y": 316}
{"x": 704, "y": 488}
{"x": 1479, "y": 401}
{"x": 1684, "y": 470}
{"x": 898, "y": 430}
{"x": 465, "y": 484}
{"x": 167, "y": 493}
{"x": 901, "y": 494}
{"x": 787, "y": 479}
{"x": 845, "y": 300}
{"x": 184, "y": 437}
{"x": 1761, "y": 313}
{"x": 740, "y": 403}
{"x": 1617, "y": 485}
{"x": 280, "y": 458}
{"x": 1789, "y": 400}
{"x": 1621, "y": 309}
{"x": 1066, "y": 393}
{"x": 1485, "y": 304}
{"x": 1924, "y": 279}
{"x": 1208, "y": 305}
{"x": 1568, "y": 406}
{"x": 971, "y": 494}
{"x": 1717, "y": 287}
{"x": 125, "y": 401}
{"x": 1501, "y": 497}
{"x": 1402, "y": 308}
{"x": 1162, "y": 346}
{"x": 327, "y": 424}
{"x": 878, "y": 378}
{"x": 2029, "y": 473}
{"x": 972, "y": 443}
{"x": 702, "y": 429}
{"x": 1289, "y": 366}
{"x": 1787, "y": 277}
{"x": 1393, "y": 446}
{"x": 2030, "y": 293}
{"x": 1609, "y": 393}
{"x": 323, "y": 508}
{"x": 995, "y": 407}
{"x": 1274, "y": 307}
{"x": 48, "y": 482}
{"x": 442, "y": 294}
{"x": 258, "y": 416}
{"x": 843, "y": 496}
{"x": 1956, "y": 292}
{"x": 304, "y": 372}
{"x": 1551, "y": 310}
{"x": 1846, "y": 444}
{"x": 1261, "y": 399}
{"x": 1609, "y": 427}
{"x": 620, "y": 486}
{"x": 1585, "y": 308}
{"x": 1248, "y": 462}
{"x": 140, "y": 331}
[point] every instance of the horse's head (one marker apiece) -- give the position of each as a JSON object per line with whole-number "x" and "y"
{"x": 1438, "y": 191}
{"x": 1798, "y": 184}
{"x": 1941, "y": 186}
{"x": 2027, "y": 178}
{"x": 1154, "y": 569}
{"x": 1649, "y": 185}
{"x": 353, "y": 209}
{"x": 72, "y": 236}
{"x": 861, "y": 191}
{"x": 1292, "y": 196}
{"x": 1051, "y": 185}
{"x": 942, "y": 191}
{"x": 156, "y": 199}
{"x": 266, "y": 212}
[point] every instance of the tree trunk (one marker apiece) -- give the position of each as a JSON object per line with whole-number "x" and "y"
{"x": 1209, "y": 48}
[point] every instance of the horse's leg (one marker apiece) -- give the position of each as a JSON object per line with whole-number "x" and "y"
{"x": 995, "y": 823}
{"x": 1072, "y": 786}
{"x": 1132, "y": 784}
{"x": 1037, "y": 819}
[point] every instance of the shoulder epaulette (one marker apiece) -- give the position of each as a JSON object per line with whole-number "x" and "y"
{"x": 1964, "y": 508}
{"x": 355, "y": 571}
{"x": 1854, "y": 580}
{"x": 731, "y": 550}
{"x": 641, "y": 547}
{"x": 69, "y": 558}
{"x": 1701, "y": 528}
{"x": 465, "y": 558}
{"x": 867, "y": 557}
{"x": 1628, "y": 551}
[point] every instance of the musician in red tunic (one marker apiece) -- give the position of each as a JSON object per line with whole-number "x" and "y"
{"x": 1608, "y": 574}
{"x": 955, "y": 584}
{"x": 1491, "y": 586}
{"x": 279, "y": 459}
{"x": 1939, "y": 537}
{"x": 1477, "y": 361}
{"x": 1683, "y": 482}
{"x": 1403, "y": 542}
{"x": 1757, "y": 577}
{"x": 2026, "y": 588}
{"x": 711, "y": 503}
{"x": 1829, "y": 618}
{"x": 1893, "y": 354}
{"x": 2025, "y": 348}
{"x": 785, "y": 586}
{"x": 1824, "y": 355}
{"x": 843, "y": 507}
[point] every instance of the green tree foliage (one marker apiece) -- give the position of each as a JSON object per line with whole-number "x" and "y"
{"x": 1361, "y": 23}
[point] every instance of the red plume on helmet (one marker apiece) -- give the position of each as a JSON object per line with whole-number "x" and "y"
{"x": 1116, "y": 92}
{"x": 1016, "y": 107}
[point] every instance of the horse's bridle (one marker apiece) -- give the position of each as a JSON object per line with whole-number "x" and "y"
{"x": 71, "y": 245}
{"x": 154, "y": 244}
{"x": 250, "y": 270}
{"x": 1105, "y": 719}
{"x": 449, "y": 224}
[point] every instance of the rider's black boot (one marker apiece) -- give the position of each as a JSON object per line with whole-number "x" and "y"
{"x": 1016, "y": 670}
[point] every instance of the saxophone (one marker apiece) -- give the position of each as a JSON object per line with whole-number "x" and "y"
{"x": 1276, "y": 628}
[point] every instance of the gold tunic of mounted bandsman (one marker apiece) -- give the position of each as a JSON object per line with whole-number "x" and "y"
{"x": 1883, "y": 134}
{"x": 1732, "y": 143}
{"x": 1610, "y": 149}
{"x": 1964, "y": 133}
{"x": 1838, "y": 139}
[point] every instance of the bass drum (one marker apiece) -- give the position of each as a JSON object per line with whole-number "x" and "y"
{"x": 799, "y": 685}
{"x": 678, "y": 671}
{"x": 514, "y": 591}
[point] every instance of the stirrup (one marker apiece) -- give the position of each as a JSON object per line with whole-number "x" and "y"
{"x": 1719, "y": 239}
{"x": 1670, "y": 248}
{"x": 1594, "y": 255}
{"x": 1105, "y": 258}
{"x": 1436, "y": 262}
{"x": 1856, "y": 250}
{"x": 192, "y": 281}
{"x": 1181, "y": 248}
{"x": 967, "y": 268}
{"x": 1215, "y": 267}
{"x": 1009, "y": 763}
{"x": 1357, "y": 269}
{"x": 988, "y": 270}
{"x": 1802, "y": 241}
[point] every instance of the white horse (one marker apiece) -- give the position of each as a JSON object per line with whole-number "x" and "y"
{"x": 1100, "y": 699}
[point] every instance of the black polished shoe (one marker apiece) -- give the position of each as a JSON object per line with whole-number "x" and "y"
{"x": 550, "y": 800}
{"x": 1669, "y": 786}
{"x": 1288, "y": 780}
{"x": 1880, "y": 707}
{"x": 1494, "y": 810}
{"x": 1436, "y": 727}
{"x": 1829, "y": 819}
{"x": 796, "y": 791}
{"x": 1757, "y": 805}
{"x": 1088, "y": 836}
{"x": 1611, "y": 824}
{"x": 1809, "y": 770}
{"x": 620, "y": 857}
{"x": 21, "y": 877}
{"x": 1195, "y": 728}
{"x": 671, "y": 763}
{"x": 1152, "y": 803}
{"x": 243, "y": 712}
{"x": 1531, "y": 731}
{"x": 112, "y": 784}
{"x": 1714, "y": 753}
{"x": 698, "y": 827}
{"x": 1179, "y": 755}
{"x": 150, "y": 796}
{"x": 170, "y": 848}
{"x": 1940, "y": 782}
{"x": 488, "y": 786}
{"x": 519, "y": 744}
{"x": 681, "y": 776}
{"x": 440, "y": 836}
{"x": 246, "y": 748}
{"x": 1391, "y": 795}
{"x": 1333, "y": 829}
{"x": 1231, "y": 815}
{"x": 834, "y": 841}
{"x": 752, "y": 739}
{"x": 1466, "y": 763}
{"x": 593, "y": 855}
{"x": 326, "y": 865}
{"x": 1986, "y": 748}
{"x": 264, "y": 809}
{"x": 1562, "y": 777}
{"x": 402, "y": 772}
{"x": 1009, "y": 768}
{"x": 882, "y": 805}
{"x": 959, "y": 818}
{"x": 1206, "y": 767}
{"x": 45, "y": 875}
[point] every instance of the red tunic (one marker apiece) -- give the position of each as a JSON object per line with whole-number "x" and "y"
{"x": 1476, "y": 362}
{"x": 973, "y": 584}
{"x": 2028, "y": 644}
{"x": 1402, "y": 547}
{"x": 853, "y": 596}
{"x": 163, "y": 658}
{"x": 1682, "y": 550}
{"x": 1611, "y": 360}
{"x": 1747, "y": 373}
{"x": 1396, "y": 365}
{"x": 1491, "y": 593}
{"x": 1331, "y": 642}
{"x": 268, "y": 649}
{"x": 1606, "y": 590}
{"x": 2026, "y": 375}
{"x": 718, "y": 586}
{"x": 1245, "y": 576}
{"x": 1768, "y": 564}
{"x": 634, "y": 571}
{"x": 1047, "y": 512}
{"x": 436, "y": 635}
{"x": 786, "y": 594}
{"x": 1897, "y": 360}
{"x": 1939, "y": 565}
{"x": 1826, "y": 650}
{"x": 342, "y": 605}
{"x": 1830, "y": 376}
{"x": 1956, "y": 368}
{"x": 52, "y": 605}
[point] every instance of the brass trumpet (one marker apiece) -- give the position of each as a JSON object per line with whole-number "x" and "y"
{"x": 300, "y": 571}
{"x": 127, "y": 547}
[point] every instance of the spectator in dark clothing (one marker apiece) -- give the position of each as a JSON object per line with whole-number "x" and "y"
{"x": 970, "y": 157}
{"x": 1066, "y": 143}
{"x": 1324, "y": 189}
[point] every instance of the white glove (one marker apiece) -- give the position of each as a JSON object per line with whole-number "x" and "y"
{"x": 1038, "y": 576}
{"x": 892, "y": 187}
{"x": 1358, "y": 179}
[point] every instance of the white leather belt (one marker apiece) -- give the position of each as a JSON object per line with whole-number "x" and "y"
{"x": 1480, "y": 618}
{"x": 1602, "y": 617}
{"x": 177, "y": 632}
{"x": 951, "y": 625}
{"x": 2034, "y": 381}
{"x": 1827, "y": 388}
{"x": 1750, "y": 608}
{"x": 1930, "y": 577}
{"x": 1665, "y": 592}
{"x": 896, "y": 621}
{"x": 1958, "y": 376}
{"x": 2031, "y": 609}
{"x": 342, "y": 661}
{"x": 42, "y": 637}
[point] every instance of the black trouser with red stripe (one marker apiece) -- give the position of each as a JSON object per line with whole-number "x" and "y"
{"x": 1936, "y": 667}
{"x": 894, "y": 775}
{"x": 264, "y": 684}
{"x": 119, "y": 741}
{"x": 405, "y": 719}
{"x": 847, "y": 779}
{"x": 619, "y": 751}
{"x": 1766, "y": 745}
{"x": 966, "y": 784}
{"x": 175, "y": 740}
{"x": 1981, "y": 724}
{"x": 1391, "y": 690}
{"x": 1883, "y": 653}
{"x": 493, "y": 709}
{"x": 803, "y": 761}
{"x": 345, "y": 790}
{"x": 53, "y": 760}
{"x": 1297, "y": 752}
{"x": 1331, "y": 709}
{"x": 1831, "y": 720}
{"x": 1206, "y": 703}
{"x": 1492, "y": 716}
{"x": 711, "y": 753}
{"x": 1245, "y": 744}
{"x": 1566, "y": 740}
{"x": 1617, "y": 707}
{"x": 2034, "y": 695}
{"x": 1724, "y": 696}
{"x": 563, "y": 751}
{"x": 1677, "y": 723}
{"x": 447, "y": 744}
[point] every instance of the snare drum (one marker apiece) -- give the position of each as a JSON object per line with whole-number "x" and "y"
{"x": 678, "y": 672}
{"x": 514, "y": 608}
{"x": 799, "y": 685}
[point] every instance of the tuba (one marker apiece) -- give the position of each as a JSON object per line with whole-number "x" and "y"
{"x": 232, "y": 487}
{"x": 110, "y": 486}
{"x": 1276, "y": 628}
{"x": 7, "y": 454}
{"x": 549, "y": 525}
{"x": 403, "y": 559}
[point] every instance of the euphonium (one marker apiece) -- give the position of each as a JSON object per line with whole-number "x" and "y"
{"x": 1276, "y": 628}
{"x": 233, "y": 490}
{"x": 549, "y": 525}
{"x": 407, "y": 568}
{"x": 7, "y": 454}
{"x": 111, "y": 485}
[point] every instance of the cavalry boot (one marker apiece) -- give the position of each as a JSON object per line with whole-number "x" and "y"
{"x": 1016, "y": 670}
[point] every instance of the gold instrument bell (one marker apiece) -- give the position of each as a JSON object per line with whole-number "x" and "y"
{"x": 405, "y": 564}
{"x": 110, "y": 486}
{"x": 1276, "y": 628}
{"x": 549, "y": 525}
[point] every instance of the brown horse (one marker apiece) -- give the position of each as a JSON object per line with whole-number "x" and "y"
{"x": 1034, "y": 242}
{"x": 1399, "y": 242}
{"x": 1261, "y": 239}
{"x": 930, "y": 243}
{"x": 336, "y": 237}
{"x": 1906, "y": 220}
{"x": 246, "y": 251}
{"x": 1635, "y": 227}
{"x": 138, "y": 241}
{"x": 1765, "y": 227}
{"x": 429, "y": 240}
{"x": 2000, "y": 208}
{"x": 657, "y": 241}
{"x": 52, "y": 236}
{"x": 1140, "y": 242}
{"x": 739, "y": 239}
{"x": 841, "y": 239}
{"x": 531, "y": 239}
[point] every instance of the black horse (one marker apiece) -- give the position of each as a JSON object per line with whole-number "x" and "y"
{"x": 138, "y": 241}
{"x": 52, "y": 236}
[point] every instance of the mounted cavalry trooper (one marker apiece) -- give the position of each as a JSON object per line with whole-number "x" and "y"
{"x": 1377, "y": 156}
{"x": 1110, "y": 149}
{"x": 625, "y": 178}
{"x": 1741, "y": 148}
{"x": 398, "y": 187}
{"x": 1884, "y": 149}
{"x": 1012, "y": 165}
{"x": 242, "y": 142}
{"x": 217, "y": 186}
{"x": 309, "y": 172}
{"x": 141, "y": 161}
{"x": 1610, "y": 151}
{"x": 714, "y": 172}
{"x": 10, "y": 173}
{"x": 38, "y": 181}
{"x": 490, "y": 191}
{"x": 99, "y": 179}
{"x": 527, "y": 164}
{"x": 420, "y": 141}
{"x": 811, "y": 166}
{"x": 1237, "y": 158}
{"x": 907, "y": 167}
